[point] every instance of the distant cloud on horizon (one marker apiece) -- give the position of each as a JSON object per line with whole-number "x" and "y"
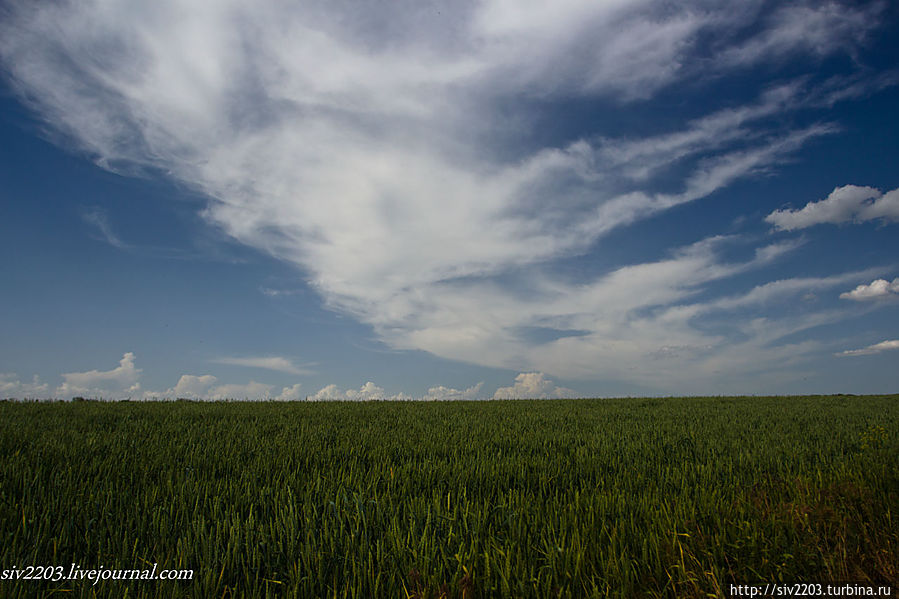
{"x": 11, "y": 386}
{"x": 533, "y": 385}
{"x": 116, "y": 383}
{"x": 123, "y": 383}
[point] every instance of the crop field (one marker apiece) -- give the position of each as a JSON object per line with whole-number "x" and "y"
{"x": 573, "y": 498}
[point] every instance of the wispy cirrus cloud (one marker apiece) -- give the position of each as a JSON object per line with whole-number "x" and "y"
{"x": 272, "y": 292}
{"x": 98, "y": 219}
{"x": 275, "y": 363}
{"x": 872, "y": 349}
{"x": 388, "y": 152}
{"x": 818, "y": 29}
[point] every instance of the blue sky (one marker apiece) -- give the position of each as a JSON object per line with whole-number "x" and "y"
{"x": 448, "y": 200}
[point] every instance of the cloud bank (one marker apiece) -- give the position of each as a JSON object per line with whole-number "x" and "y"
{"x": 392, "y": 153}
{"x": 123, "y": 383}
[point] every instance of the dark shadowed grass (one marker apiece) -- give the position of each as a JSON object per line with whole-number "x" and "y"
{"x": 580, "y": 498}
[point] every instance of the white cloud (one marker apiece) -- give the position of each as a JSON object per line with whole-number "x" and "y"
{"x": 118, "y": 383}
{"x": 122, "y": 382}
{"x": 620, "y": 316}
{"x": 98, "y": 219}
{"x": 368, "y": 392}
{"x": 329, "y": 393}
{"x": 872, "y": 349}
{"x": 641, "y": 158}
{"x": 271, "y": 292}
{"x": 379, "y": 149}
{"x": 441, "y": 393}
{"x": 12, "y": 388}
{"x": 276, "y": 363}
{"x": 786, "y": 288}
{"x": 850, "y": 203}
{"x": 204, "y": 387}
{"x": 817, "y": 28}
{"x": 191, "y": 386}
{"x": 877, "y": 289}
{"x": 533, "y": 385}
{"x": 291, "y": 393}
{"x": 250, "y": 391}
{"x": 604, "y": 47}
{"x": 527, "y": 385}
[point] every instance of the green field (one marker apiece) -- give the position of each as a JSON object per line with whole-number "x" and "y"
{"x": 574, "y": 498}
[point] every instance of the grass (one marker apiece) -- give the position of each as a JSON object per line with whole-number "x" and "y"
{"x": 575, "y": 498}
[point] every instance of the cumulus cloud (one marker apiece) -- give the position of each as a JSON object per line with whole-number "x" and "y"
{"x": 329, "y": 393}
{"x": 291, "y": 393}
{"x": 847, "y": 204}
{"x": 12, "y": 388}
{"x": 368, "y": 392}
{"x": 118, "y": 383}
{"x": 204, "y": 387}
{"x": 191, "y": 386}
{"x": 276, "y": 363}
{"x": 527, "y": 385}
{"x": 533, "y": 385}
{"x": 872, "y": 349}
{"x": 123, "y": 382}
{"x": 441, "y": 393}
{"x": 877, "y": 289}
{"x": 389, "y": 153}
{"x": 248, "y": 391}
